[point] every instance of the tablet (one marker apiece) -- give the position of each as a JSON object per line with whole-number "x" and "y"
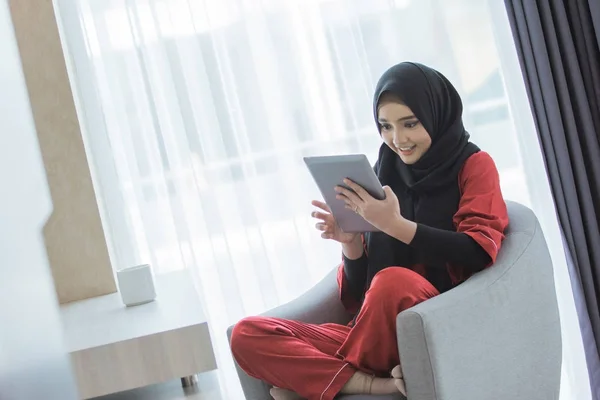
{"x": 330, "y": 171}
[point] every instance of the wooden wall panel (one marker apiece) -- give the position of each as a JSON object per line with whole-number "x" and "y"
{"x": 74, "y": 237}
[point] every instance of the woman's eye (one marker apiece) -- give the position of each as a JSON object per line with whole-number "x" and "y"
{"x": 386, "y": 127}
{"x": 411, "y": 124}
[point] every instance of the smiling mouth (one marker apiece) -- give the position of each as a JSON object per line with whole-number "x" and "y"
{"x": 406, "y": 150}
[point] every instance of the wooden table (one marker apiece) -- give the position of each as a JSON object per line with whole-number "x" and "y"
{"x": 115, "y": 348}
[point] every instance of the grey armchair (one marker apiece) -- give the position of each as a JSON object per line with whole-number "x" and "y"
{"x": 496, "y": 336}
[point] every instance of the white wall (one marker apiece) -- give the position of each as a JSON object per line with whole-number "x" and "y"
{"x": 33, "y": 362}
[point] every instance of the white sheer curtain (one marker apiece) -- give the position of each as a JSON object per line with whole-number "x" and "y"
{"x": 197, "y": 114}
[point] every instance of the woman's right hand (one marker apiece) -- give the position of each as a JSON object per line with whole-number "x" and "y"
{"x": 327, "y": 225}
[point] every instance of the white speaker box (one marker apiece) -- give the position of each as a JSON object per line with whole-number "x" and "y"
{"x": 136, "y": 285}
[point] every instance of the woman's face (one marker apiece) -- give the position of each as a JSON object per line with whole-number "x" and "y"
{"x": 402, "y": 131}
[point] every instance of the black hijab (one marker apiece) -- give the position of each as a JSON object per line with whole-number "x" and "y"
{"x": 428, "y": 190}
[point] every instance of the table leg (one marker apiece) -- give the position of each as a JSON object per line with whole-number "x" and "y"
{"x": 188, "y": 381}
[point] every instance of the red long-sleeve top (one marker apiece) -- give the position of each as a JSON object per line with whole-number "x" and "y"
{"x": 481, "y": 215}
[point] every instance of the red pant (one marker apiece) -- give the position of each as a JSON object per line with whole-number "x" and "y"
{"x": 316, "y": 361}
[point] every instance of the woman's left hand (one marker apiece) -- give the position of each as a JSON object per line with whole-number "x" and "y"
{"x": 382, "y": 214}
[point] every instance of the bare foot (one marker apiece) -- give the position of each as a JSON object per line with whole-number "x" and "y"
{"x": 284, "y": 394}
{"x": 399, "y": 379}
{"x": 361, "y": 383}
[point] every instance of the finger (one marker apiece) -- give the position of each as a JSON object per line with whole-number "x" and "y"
{"x": 353, "y": 208}
{"x": 321, "y": 205}
{"x": 360, "y": 191}
{"x": 349, "y": 194}
{"x": 320, "y": 226}
{"x": 389, "y": 193}
{"x": 344, "y": 199}
{"x": 320, "y": 215}
{"x": 348, "y": 203}
{"x": 326, "y": 235}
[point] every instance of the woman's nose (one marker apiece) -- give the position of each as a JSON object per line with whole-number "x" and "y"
{"x": 399, "y": 139}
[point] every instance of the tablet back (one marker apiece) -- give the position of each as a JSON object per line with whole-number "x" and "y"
{"x": 329, "y": 172}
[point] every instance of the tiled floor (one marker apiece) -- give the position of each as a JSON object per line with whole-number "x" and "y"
{"x": 208, "y": 388}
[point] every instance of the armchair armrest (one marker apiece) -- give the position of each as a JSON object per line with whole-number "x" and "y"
{"x": 320, "y": 304}
{"x": 496, "y": 336}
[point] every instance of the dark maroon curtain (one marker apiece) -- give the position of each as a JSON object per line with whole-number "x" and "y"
{"x": 558, "y": 47}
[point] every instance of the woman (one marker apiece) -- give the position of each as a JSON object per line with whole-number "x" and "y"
{"x": 443, "y": 219}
